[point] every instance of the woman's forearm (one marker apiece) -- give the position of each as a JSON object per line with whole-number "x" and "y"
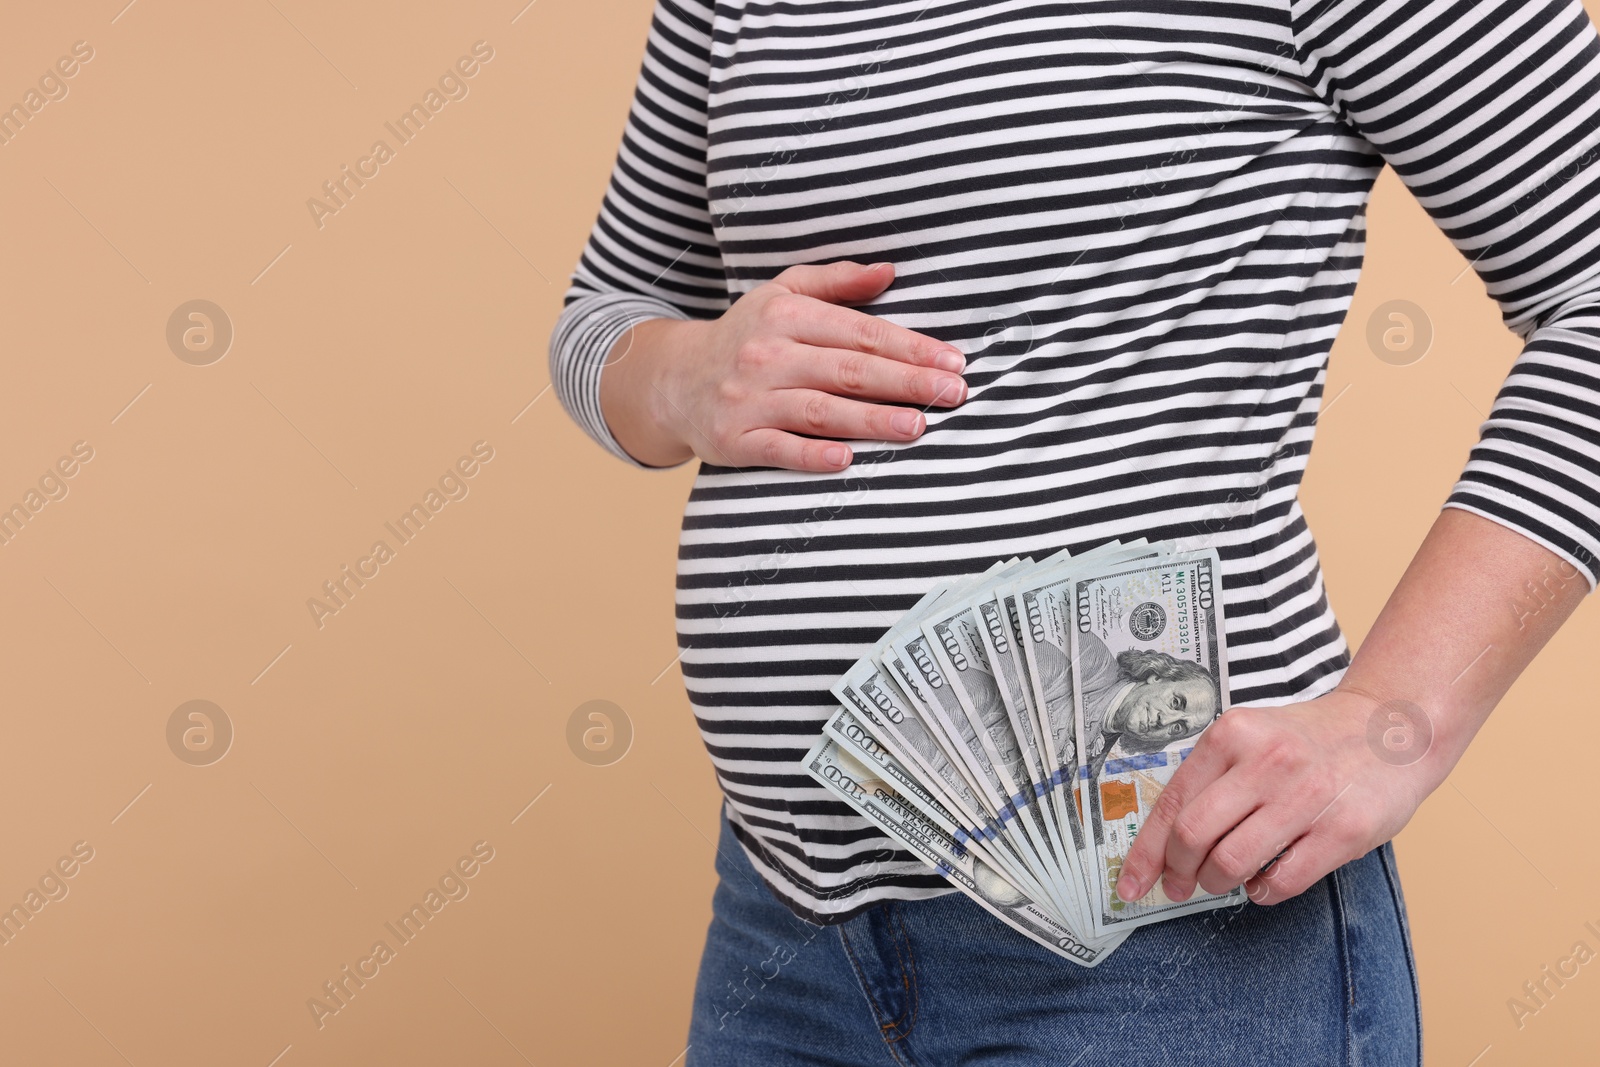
{"x": 1474, "y": 607}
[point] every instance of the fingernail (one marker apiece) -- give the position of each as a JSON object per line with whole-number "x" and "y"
{"x": 1128, "y": 889}
{"x": 906, "y": 422}
{"x": 950, "y": 359}
{"x": 836, "y": 455}
{"x": 872, "y": 266}
{"x": 953, "y": 391}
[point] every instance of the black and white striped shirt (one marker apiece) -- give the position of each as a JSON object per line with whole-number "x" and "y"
{"x": 1142, "y": 221}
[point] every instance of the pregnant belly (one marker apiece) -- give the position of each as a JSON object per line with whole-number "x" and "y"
{"x": 785, "y": 579}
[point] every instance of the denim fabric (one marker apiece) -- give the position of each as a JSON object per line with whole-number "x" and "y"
{"x": 1325, "y": 978}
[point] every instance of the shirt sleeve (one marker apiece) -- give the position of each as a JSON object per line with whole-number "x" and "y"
{"x": 1489, "y": 112}
{"x": 651, "y": 253}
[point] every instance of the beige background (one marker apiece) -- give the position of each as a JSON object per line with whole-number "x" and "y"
{"x": 432, "y": 709}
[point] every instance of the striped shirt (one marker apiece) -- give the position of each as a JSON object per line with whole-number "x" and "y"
{"x": 1142, "y": 221}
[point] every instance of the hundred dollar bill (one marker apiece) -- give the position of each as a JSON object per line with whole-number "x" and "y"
{"x": 953, "y": 733}
{"x": 998, "y": 630}
{"x": 1005, "y": 818}
{"x": 884, "y": 708}
{"x": 860, "y": 787}
{"x": 891, "y": 660}
{"x": 909, "y": 733}
{"x": 856, "y": 738}
{"x": 893, "y": 665}
{"x": 957, "y": 639}
{"x": 917, "y": 652}
{"x": 1149, "y": 668}
{"x": 1051, "y": 573}
{"x": 1039, "y": 601}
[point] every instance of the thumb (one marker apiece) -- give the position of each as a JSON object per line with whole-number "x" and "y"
{"x": 845, "y": 282}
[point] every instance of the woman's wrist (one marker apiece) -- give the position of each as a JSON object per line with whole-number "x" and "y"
{"x": 636, "y": 395}
{"x": 1414, "y": 737}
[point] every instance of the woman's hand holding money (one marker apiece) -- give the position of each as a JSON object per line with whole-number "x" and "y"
{"x": 1274, "y": 798}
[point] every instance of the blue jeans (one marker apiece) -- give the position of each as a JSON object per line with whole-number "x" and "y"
{"x": 1324, "y": 978}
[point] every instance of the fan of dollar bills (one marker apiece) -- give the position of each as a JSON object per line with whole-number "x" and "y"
{"x": 1015, "y": 728}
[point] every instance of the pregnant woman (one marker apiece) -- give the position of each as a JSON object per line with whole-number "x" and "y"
{"x": 924, "y": 285}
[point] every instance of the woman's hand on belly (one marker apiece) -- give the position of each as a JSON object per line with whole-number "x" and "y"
{"x": 787, "y": 359}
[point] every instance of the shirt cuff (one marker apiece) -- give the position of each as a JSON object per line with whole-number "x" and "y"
{"x": 583, "y": 338}
{"x": 1515, "y": 514}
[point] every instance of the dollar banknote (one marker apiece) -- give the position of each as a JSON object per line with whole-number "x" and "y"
{"x": 1039, "y": 604}
{"x": 956, "y": 639}
{"x": 882, "y": 707}
{"x": 856, "y": 737}
{"x": 861, "y": 788}
{"x": 970, "y": 741}
{"x": 1149, "y": 669}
